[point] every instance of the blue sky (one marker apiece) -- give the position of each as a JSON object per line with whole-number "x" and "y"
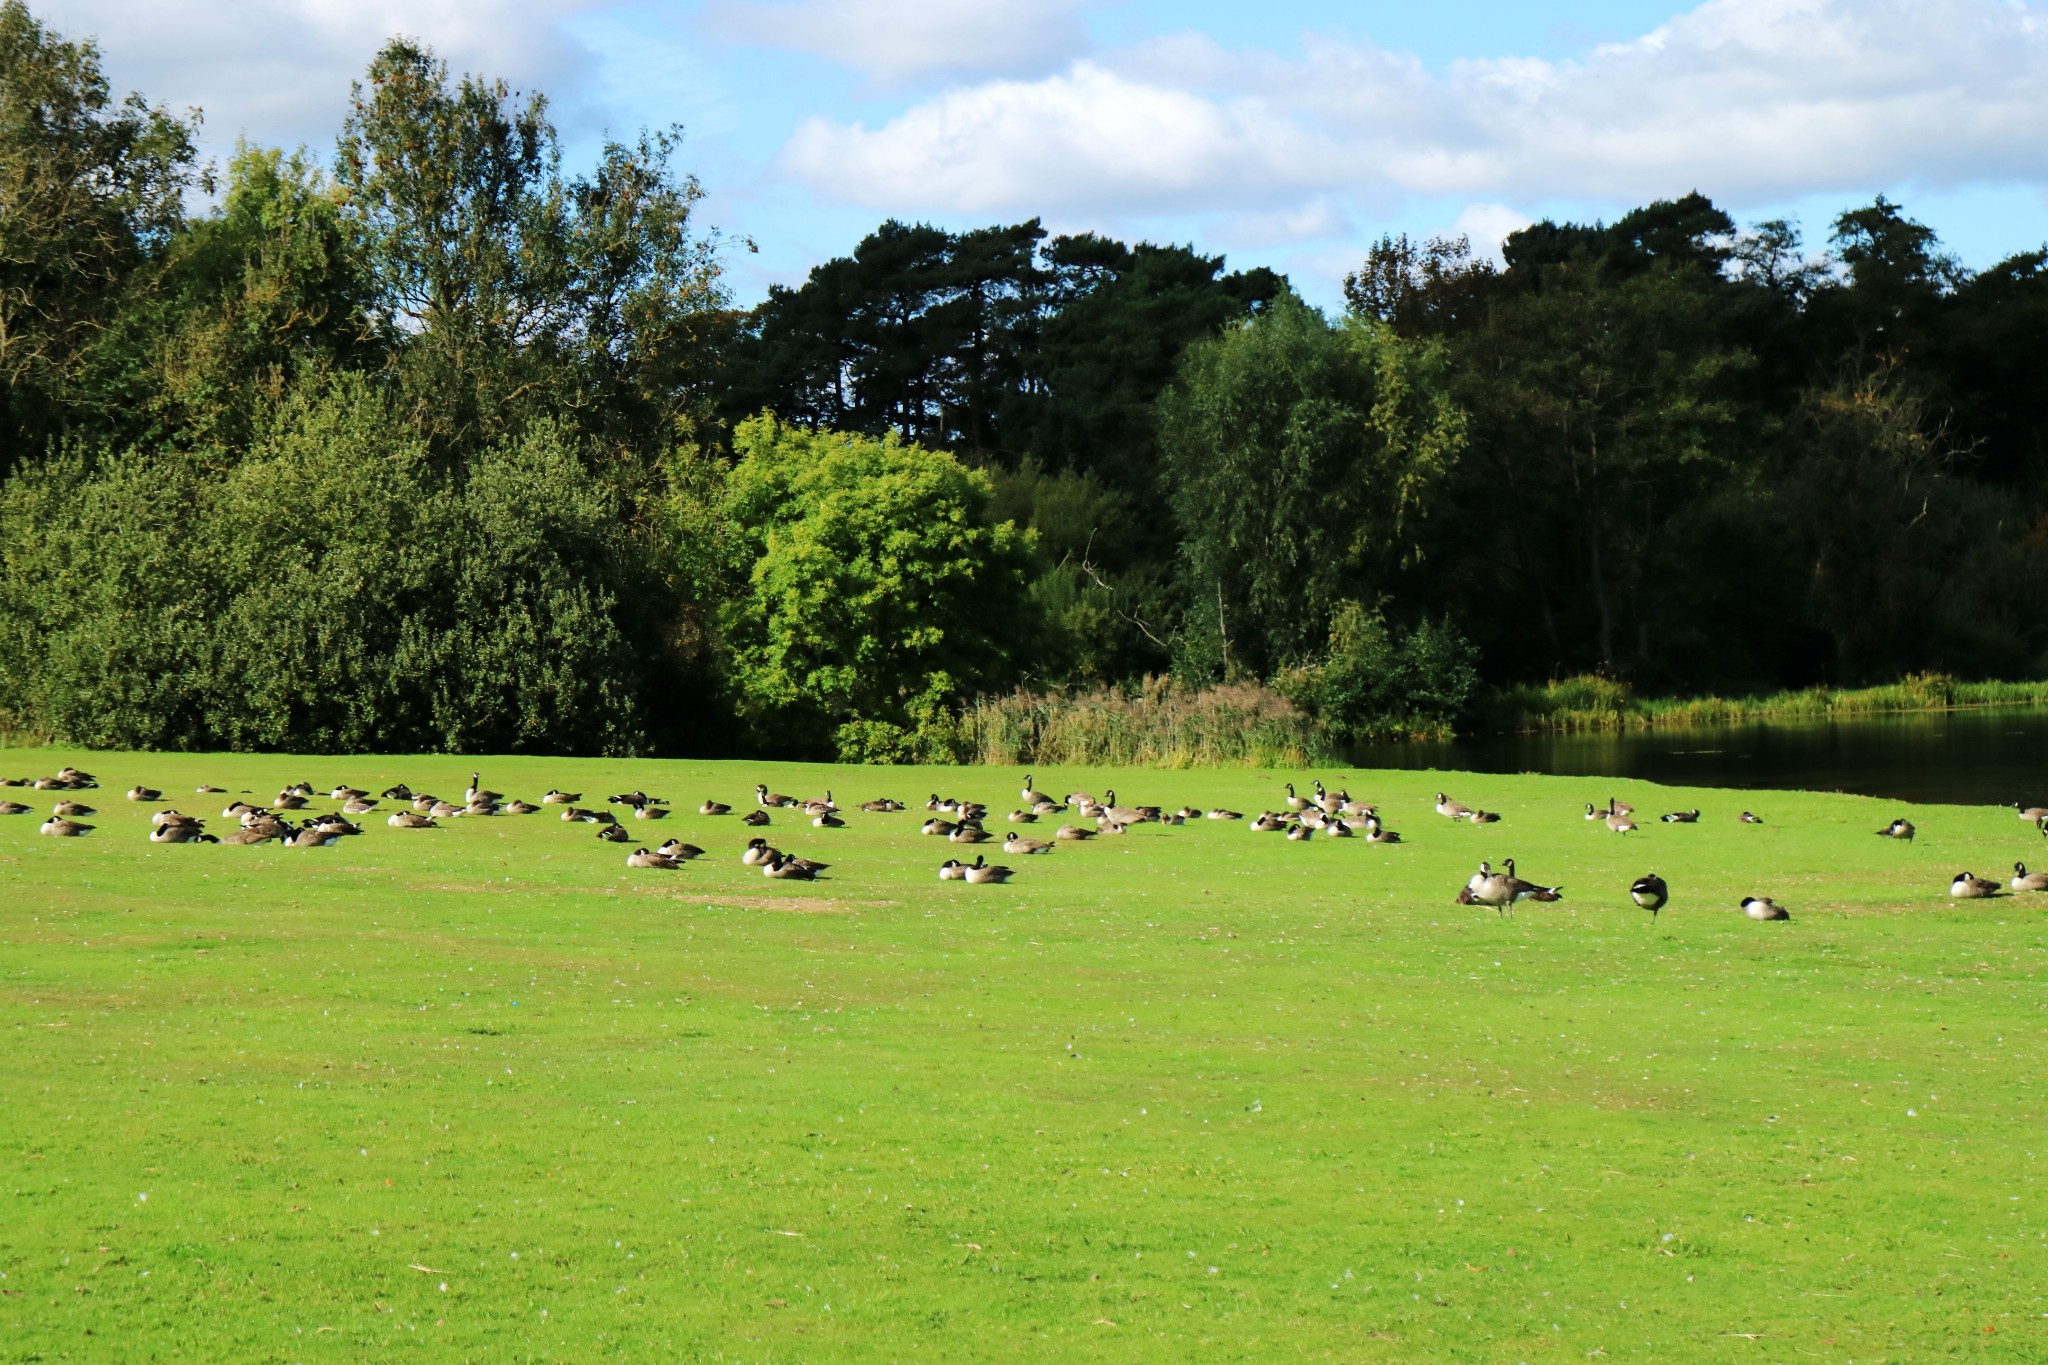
{"x": 1287, "y": 134}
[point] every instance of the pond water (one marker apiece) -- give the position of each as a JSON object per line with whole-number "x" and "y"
{"x": 1987, "y": 757}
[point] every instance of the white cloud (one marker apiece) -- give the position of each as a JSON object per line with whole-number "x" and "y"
{"x": 1749, "y": 101}
{"x": 1488, "y": 225}
{"x": 279, "y": 70}
{"x": 895, "y": 41}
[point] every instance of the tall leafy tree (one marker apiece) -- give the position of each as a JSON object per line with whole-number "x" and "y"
{"x": 89, "y": 189}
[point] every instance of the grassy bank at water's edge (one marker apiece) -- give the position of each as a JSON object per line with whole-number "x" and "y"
{"x": 1191, "y": 1093}
{"x": 1588, "y": 702}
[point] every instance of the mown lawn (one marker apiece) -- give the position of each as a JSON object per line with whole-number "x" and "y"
{"x": 481, "y": 1093}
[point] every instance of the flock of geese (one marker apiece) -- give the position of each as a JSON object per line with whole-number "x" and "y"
{"x": 1320, "y": 813}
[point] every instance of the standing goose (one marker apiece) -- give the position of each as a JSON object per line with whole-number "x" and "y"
{"x": 1126, "y": 815}
{"x": 1295, "y": 802}
{"x": 1763, "y": 908}
{"x": 1650, "y": 893}
{"x": 1329, "y": 803}
{"x": 1530, "y": 891}
{"x": 2023, "y": 880}
{"x": 1030, "y": 795}
{"x": 1900, "y": 828}
{"x": 1451, "y": 810}
{"x": 1619, "y": 823}
{"x": 1968, "y": 886}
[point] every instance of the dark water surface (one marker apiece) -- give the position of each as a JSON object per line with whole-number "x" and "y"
{"x": 1964, "y": 757}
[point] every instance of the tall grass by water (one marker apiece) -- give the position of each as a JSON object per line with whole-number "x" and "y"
{"x": 1160, "y": 724}
{"x": 1589, "y": 702}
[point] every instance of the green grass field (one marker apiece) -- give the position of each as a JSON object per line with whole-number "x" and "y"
{"x": 481, "y": 1093}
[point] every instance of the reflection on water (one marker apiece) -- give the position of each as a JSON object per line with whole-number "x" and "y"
{"x": 1966, "y": 757}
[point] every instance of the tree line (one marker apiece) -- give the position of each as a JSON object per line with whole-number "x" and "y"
{"x": 439, "y": 443}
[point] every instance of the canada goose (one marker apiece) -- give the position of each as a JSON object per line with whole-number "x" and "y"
{"x": 1969, "y": 887}
{"x": 643, "y": 857}
{"x": 1487, "y": 887}
{"x": 48, "y": 784}
{"x": 1681, "y": 817}
{"x": 2033, "y": 815}
{"x": 1900, "y": 828}
{"x": 1358, "y": 809}
{"x": 783, "y": 867}
{"x": 1109, "y": 826}
{"x": 973, "y": 810}
{"x": 1525, "y": 890}
{"x": 208, "y": 789}
{"x": 952, "y": 870}
{"x": 1017, "y": 843}
{"x": 711, "y": 807}
{"x": 477, "y": 793}
{"x": 77, "y": 776}
{"x": 1594, "y": 812}
{"x": 479, "y": 808}
{"x": 561, "y": 798}
{"x": 756, "y": 852}
{"x": 764, "y": 797}
{"x": 614, "y": 833}
{"x": 1073, "y": 832}
{"x": 302, "y": 788}
{"x": 400, "y": 792}
{"x": 250, "y": 837}
{"x": 1268, "y": 823}
{"x": 1126, "y": 815}
{"x": 632, "y": 798}
{"x": 824, "y": 805}
{"x": 309, "y": 837}
{"x": 1023, "y": 817}
{"x": 1650, "y": 892}
{"x": 650, "y": 812}
{"x": 981, "y": 872}
{"x": 516, "y": 807}
{"x": 936, "y": 826}
{"x": 1748, "y": 818}
{"x": 1334, "y": 828}
{"x": 883, "y": 806}
{"x": 358, "y": 805}
{"x": 755, "y": 818}
{"x": 267, "y": 823}
{"x": 424, "y": 802}
{"x": 173, "y": 817}
{"x": 444, "y": 809}
{"x": 12, "y": 808}
{"x": 181, "y": 834}
{"x": 570, "y": 814}
{"x": 1376, "y": 833}
{"x": 1619, "y": 823}
{"x": 1302, "y": 832}
{"x": 1451, "y": 810}
{"x": 968, "y": 834}
{"x": 15, "y": 782}
{"x": 67, "y": 808}
{"x": 1329, "y": 802}
{"x": 1312, "y": 818}
{"x": 345, "y": 792}
{"x": 680, "y": 851}
{"x": 1763, "y": 908}
{"x": 1047, "y": 808}
{"x": 139, "y": 793}
{"x": 1030, "y": 795}
{"x": 939, "y": 805}
{"x": 335, "y": 824}
{"x": 1082, "y": 800}
{"x": 2023, "y": 880}
{"x": 1221, "y": 814}
{"x": 1484, "y": 817}
{"x": 1173, "y": 817}
{"x": 825, "y": 819}
{"x": 288, "y": 800}
{"x": 410, "y": 819}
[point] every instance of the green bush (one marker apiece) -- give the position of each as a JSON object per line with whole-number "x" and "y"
{"x": 1375, "y": 684}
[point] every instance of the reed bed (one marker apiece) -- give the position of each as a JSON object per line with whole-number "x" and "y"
{"x": 1158, "y": 724}
{"x": 1594, "y": 703}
